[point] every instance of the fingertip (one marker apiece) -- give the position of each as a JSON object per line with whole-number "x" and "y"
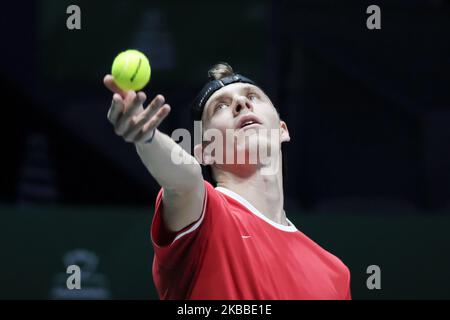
{"x": 160, "y": 98}
{"x": 130, "y": 95}
{"x": 107, "y": 82}
{"x": 117, "y": 97}
{"x": 165, "y": 109}
{"x": 137, "y": 96}
{"x": 142, "y": 95}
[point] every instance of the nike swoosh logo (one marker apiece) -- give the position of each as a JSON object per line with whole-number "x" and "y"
{"x": 246, "y": 237}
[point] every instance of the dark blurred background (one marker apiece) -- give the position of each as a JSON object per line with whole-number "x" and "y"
{"x": 368, "y": 165}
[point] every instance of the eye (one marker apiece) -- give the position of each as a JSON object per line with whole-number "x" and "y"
{"x": 252, "y": 96}
{"x": 220, "y": 106}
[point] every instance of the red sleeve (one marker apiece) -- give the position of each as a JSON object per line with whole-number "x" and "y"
{"x": 183, "y": 248}
{"x": 349, "y": 295}
{"x": 349, "y": 290}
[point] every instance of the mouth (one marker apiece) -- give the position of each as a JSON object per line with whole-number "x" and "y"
{"x": 248, "y": 122}
{"x": 250, "y": 126}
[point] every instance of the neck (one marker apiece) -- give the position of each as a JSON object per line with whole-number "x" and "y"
{"x": 262, "y": 189}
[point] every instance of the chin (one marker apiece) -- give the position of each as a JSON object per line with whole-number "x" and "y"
{"x": 253, "y": 149}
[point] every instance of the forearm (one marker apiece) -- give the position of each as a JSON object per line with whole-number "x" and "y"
{"x": 162, "y": 158}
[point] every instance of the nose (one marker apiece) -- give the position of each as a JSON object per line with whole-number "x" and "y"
{"x": 241, "y": 104}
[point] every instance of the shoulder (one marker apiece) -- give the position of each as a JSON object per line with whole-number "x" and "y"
{"x": 213, "y": 207}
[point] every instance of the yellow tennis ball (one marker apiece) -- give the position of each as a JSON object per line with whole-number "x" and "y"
{"x": 131, "y": 70}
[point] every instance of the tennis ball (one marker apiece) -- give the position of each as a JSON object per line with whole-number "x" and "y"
{"x": 131, "y": 70}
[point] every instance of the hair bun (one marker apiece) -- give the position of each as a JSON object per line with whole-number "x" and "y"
{"x": 220, "y": 70}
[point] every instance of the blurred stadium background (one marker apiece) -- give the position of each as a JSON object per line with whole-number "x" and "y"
{"x": 368, "y": 166}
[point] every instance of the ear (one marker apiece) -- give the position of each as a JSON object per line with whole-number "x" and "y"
{"x": 204, "y": 159}
{"x": 284, "y": 132}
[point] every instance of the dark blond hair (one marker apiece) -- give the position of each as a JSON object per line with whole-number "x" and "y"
{"x": 220, "y": 70}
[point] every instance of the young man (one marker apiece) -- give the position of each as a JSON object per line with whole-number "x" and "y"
{"x": 233, "y": 241}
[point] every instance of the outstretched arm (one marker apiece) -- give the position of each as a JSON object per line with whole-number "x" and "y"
{"x": 182, "y": 183}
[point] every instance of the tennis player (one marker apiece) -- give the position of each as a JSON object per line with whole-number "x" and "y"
{"x": 232, "y": 240}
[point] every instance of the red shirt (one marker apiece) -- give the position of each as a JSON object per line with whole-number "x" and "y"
{"x": 234, "y": 252}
